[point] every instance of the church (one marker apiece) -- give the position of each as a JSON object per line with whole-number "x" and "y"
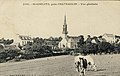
{"x": 68, "y": 41}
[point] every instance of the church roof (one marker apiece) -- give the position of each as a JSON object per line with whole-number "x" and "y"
{"x": 73, "y": 37}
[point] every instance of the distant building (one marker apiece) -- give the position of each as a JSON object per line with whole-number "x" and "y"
{"x": 51, "y": 43}
{"x": 109, "y": 38}
{"x": 2, "y": 47}
{"x": 72, "y": 41}
{"x": 22, "y": 40}
{"x": 7, "y": 47}
{"x": 68, "y": 41}
{"x": 2, "y": 41}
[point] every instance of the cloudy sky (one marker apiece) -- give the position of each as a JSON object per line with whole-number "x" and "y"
{"x": 46, "y": 21}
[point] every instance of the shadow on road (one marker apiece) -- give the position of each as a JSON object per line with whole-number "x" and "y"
{"x": 101, "y": 69}
{"x": 100, "y": 75}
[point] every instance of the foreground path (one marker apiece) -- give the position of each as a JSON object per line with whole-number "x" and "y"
{"x": 108, "y": 65}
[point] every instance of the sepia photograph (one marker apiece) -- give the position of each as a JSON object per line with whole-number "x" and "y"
{"x": 59, "y": 38}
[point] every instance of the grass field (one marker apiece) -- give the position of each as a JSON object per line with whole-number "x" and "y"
{"x": 107, "y": 65}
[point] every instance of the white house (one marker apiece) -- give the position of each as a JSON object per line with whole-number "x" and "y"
{"x": 109, "y": 38}
{"x": 22, "y": 39}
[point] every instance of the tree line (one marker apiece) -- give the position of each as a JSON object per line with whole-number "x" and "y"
{"x": 49, "y": 47}
{"x": 38, "y": 48}
{"x": 98, "y": 47}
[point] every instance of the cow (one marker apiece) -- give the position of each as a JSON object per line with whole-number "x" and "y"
{"x": 90, "y": 62}
{"x": 81, "y": 66}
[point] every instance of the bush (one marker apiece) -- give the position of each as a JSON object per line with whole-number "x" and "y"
{"x": 105, "y": 47}
{"x": 12, "y": 53}
{"x": 3, "y": 57}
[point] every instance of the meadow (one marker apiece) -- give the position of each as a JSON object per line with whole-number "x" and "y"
{"x": 107, "y": 65}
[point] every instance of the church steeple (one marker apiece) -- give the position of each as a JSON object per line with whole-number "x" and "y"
{"x": 65, "y": 20}
{"x": 65, "y": 26}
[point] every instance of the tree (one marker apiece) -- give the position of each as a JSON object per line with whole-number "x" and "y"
{"x": 3, "y": 56}
{"x": 96, "y": 39}
{"x": 60, "y": 38}
{"x": 89, "y": 39}
{"x": 8, "y": 41}
{"x": 38, "y": 40}
{"x": 81, "y": 40}
{"x": 117, "y": 47}
{"x": 105, "y": 47}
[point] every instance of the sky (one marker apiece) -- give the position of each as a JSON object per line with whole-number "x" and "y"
{"x": 45, "y": 21}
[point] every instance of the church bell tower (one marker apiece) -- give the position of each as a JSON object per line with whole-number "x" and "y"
{"x": 65, "y": 32}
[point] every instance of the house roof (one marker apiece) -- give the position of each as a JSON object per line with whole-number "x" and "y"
{"x": 108, "y": 35}
{"x": 117, "y": 36}
{"x": 25, "y": 37}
